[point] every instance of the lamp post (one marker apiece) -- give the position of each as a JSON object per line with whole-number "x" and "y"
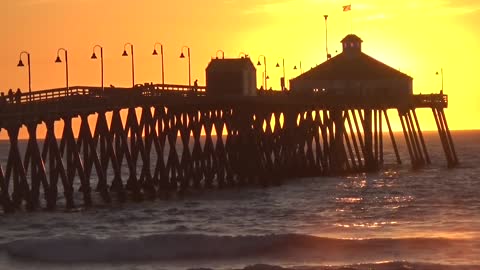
{"x": 161, "y": 54}
{"x": 441, "y": 74}
{"x": 295, "y": 68}
{"x": 133, "y": 65}
{"x": 189, "y": 64}
{"x": 282, "y": 81}
{"x": 94, "y": 56}
{"x": 20, "y": 64}
{"x": 326, "y": 37}
{"x": 222, "y": 52}
{"x": 265, "y": 66}
{"x": 59, "y": 60}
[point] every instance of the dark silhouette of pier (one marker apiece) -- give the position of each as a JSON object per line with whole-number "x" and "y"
{"x": 171, "y": 146}
{"x": 154, "y": 140}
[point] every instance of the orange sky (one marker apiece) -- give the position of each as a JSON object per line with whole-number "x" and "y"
{"x": 416, "y": 37}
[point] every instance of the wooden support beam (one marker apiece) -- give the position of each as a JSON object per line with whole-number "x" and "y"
{"x": 449, "y": 137}
{"x": 376, "y": 151}
{"x": 443, "y": 136}
{"x": 422, "y": 140}
{"x": 317, "y": 133}
{"x": 413, "y": 158}
{"x": 133, "y": 152}
{"x": 370, "y": 161}
{"x": 74, "y": 162}
{"x": 5, "y": 200}
{"x": 392, "y": 138}
{"x": 414, "y": 138}
{"x": 358, "y": 154}
{"x": 56, "y": 169}
{"x": 15, "y": 167}
{"x": 38, "y": 172}
{"x": 380, "y": 132}
{"x": 325, "y": 139}
{"x": 160, "y": 174}
{"x": 359, "y": 131}
{"x": 91, "y": 158}
{"x": 147, "y": 124}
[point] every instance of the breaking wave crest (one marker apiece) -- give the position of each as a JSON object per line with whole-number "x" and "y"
{"x": 278, "y": 248}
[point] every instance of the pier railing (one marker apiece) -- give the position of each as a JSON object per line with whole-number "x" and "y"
{"x": 77, "y": 91}
{"x": 431, "y": 100}
{"x": 171, "y": 90}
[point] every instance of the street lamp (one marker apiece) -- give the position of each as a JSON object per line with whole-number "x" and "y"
{"x": 59, "y": 60}
{"x": 20, "y": 64}
{"x": 282, "y": 80}
{"x": 161, "y": 54}
{"x": 326, "y": 37}
{"x": 94, "y": 56}
{"x": 441, "y": 73}
{"x": 295, "y": 67}
{"x": 220, "y": 51}
{"x": 133, "y": 65}
{"x": 189, "y": 64}
{"x": 265, "y": 72}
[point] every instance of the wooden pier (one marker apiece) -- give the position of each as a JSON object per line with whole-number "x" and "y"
{"x": 173, "y": 139}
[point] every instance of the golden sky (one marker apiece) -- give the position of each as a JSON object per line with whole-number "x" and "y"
{"x": 416, "y": 37}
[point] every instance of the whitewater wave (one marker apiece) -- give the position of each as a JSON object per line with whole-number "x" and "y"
{"x": 277, "y": 248}
{"x": 375, "y": 266}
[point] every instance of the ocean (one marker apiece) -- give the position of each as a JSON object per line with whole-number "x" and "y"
{"x": 397, "y": 218}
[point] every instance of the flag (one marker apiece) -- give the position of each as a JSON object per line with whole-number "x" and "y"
{"x": 347, "y": 7}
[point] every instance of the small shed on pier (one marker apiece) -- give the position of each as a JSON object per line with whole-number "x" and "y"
{"x": 231, "y": 77}
{"x": 354, "y": 74}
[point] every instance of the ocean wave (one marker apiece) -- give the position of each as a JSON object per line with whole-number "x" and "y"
{"x": 276, "y": 247}
{"x": 375, "y": 266}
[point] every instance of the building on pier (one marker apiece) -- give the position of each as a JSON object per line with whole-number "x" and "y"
{"x": 231, "y": 77}
{"x": 355, "y": 74}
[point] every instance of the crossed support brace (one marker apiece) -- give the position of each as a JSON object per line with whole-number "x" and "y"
{"x": 159, "y": 150}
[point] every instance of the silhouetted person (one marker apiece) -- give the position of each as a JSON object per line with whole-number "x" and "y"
{"x": 18, "y": 96}
{"x": 3, "y": 100}
{"x": 261, "y": 88}
{"x": 195, "y": 86}
{"x": 10, "y": 95}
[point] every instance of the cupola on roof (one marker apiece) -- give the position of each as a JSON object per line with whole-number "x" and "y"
{"x": 352, "y": 43}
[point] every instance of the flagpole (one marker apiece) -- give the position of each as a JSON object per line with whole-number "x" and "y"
{"x": 348, "y": 8}
{"x": 326, "y": 36}
{"x": 351, "y": 19}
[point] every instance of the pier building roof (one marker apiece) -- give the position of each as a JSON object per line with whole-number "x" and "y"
{"x": 354, "y": 73}
{"x": 231, "y": 64}
{"x": 236, "y": 76}
{"x": 352, "y": 64}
